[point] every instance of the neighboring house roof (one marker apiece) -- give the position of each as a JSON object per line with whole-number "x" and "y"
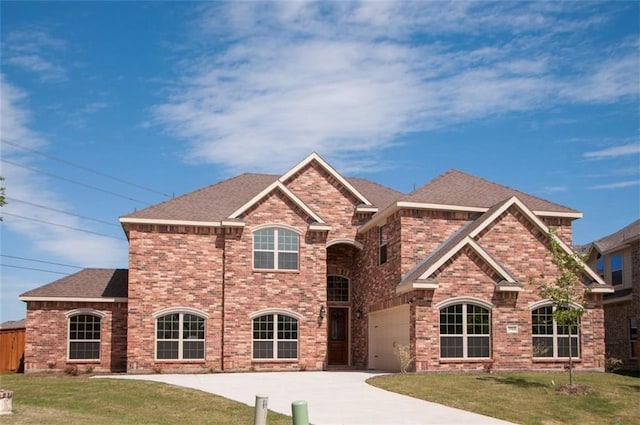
{"x": 616, "y": 240}
{"x": 106, "y": 285}
{"x": 12, "y": 324}
{"x": 461, "y": 189}
{"x": 422, "y": 276}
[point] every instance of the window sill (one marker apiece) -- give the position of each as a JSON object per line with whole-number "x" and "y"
{"x": 97, "y": 361}
{"x": 182, "y": 361}
{"x": 463, "y": 360}
{"x": 555, "y": 359}
{"x": 275, "y": 271}
{"x": 296, "y": 360}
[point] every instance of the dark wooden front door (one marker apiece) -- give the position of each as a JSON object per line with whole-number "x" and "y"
{"x": 338, "y": 334}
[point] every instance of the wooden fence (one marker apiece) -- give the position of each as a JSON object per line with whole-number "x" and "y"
{"x": 11, "y": 349}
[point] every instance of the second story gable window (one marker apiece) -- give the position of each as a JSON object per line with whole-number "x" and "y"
{"x": 383, "y": 237}
{"x": 616, "y": 269}
{"x": 276, "y": 248}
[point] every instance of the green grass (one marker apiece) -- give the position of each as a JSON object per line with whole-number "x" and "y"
{"x": 527, "y": 398}
{"x": 67, "y": 400}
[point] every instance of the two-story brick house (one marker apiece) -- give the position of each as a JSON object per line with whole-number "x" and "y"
{"x": 311, "y": 270}
{"x": 616, "y": 258}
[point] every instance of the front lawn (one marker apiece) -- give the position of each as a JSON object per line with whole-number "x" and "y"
{"x": 67, "y": 400}
{"x": 527, "y": 398}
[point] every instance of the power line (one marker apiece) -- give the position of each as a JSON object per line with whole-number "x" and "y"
{"x": 31, "y": 268}
{"x": 61, "y": 225}
{"x": 85, "y": 168}
{"x": 39, "y": 261}
{"x": 60, "y": 211}
{"x": 74, "y": 181}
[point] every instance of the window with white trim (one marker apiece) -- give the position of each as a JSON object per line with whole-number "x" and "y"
{"x": 275, "y": 248}
{"x": 180, "y": 336}
{"x": 551, "y": 339}
{"x": 275, "y": 336}
{"x": 465, "y": 331}
{"x": 84, "y": 337}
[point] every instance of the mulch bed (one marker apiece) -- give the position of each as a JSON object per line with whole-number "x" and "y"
{"x": 573, "y": 389}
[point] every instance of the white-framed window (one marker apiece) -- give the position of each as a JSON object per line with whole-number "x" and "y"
{"x": 383, "y": 239}
{"x": 275, "y": 336}
{"x": 180, "y": 336}
{"x": 84, "y": 337}
{"x": 551, "y": 340}
{"x": 276, "y": 248}
{"x": 616, "y": 269}
{"x": 337, "y": 288}
{"x": 465, "y": 331}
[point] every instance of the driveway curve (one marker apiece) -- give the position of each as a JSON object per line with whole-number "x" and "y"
{"x": 332, "y": 397}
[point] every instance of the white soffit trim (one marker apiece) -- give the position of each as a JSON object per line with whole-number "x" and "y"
{"x": 601, "y": 290}
{"x": 410, "y": 286}
{"x": 443, "y": 207}
{"x": 491, "y": 261}
{"x": 319, "y": 227}
{"x": 76, "y": 299}
{"x": 131, "y": 220}
{"x": 314, "y": 156}
{"x": 277, "y": 185}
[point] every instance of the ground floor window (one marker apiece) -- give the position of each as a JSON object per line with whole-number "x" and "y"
{"x": 633, "y": 337}
{"x": 84, "y": 337}
{"x": 180, "y": 336}
{"x": 465, "y": 331}
{"x": 275, "y": 336}
{"x": 551, "y": 339}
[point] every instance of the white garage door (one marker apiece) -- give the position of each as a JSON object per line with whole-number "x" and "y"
{"x": 387, "y": 329}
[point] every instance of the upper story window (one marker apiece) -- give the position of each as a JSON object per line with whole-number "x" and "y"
{"x": 616, "y": 269}
{"x": 180, "y": 336}
{"x": 465, "y": 331}
{"x": 275, "y": 248}
{"x": 600, "y": 266}
{"x": 383, "y": 237}
{"x": 551, "y": 339}
{"x": 337, "y": 288}
{"x": 84, "y": 337}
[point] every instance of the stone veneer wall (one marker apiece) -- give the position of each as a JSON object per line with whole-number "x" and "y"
{"x": 47, "y": 337}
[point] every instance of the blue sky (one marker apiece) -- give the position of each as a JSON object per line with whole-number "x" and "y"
{"x": 110, "y": 106}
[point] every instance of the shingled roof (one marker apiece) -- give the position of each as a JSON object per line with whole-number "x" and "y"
{"x": 461, "y": 189}
{"x": 619, "y": 238}
{"x": 95, "y": 284}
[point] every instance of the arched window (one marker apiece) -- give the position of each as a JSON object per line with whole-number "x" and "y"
{"x": 84, "y": 337}
{"x": 465, "y": 331}
{"x": 180, "y": 336}
{"x": 337, "y": 288}
{"x": 275, "y": 336}
{"x": 275, "y": 248}
{"x": 551, "y": 339}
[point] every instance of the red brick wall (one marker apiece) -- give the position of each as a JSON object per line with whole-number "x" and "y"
{"x": 169, "y": 270}
{"x": 46, "y": 338}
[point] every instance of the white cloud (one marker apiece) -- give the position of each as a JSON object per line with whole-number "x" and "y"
{"x": 35, "y": 50}
{"x": 348, "y": 79}
{"x": 617, "y": 185}
{"x": 615, "y": 151}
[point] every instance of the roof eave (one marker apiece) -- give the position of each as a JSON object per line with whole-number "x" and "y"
{"x": 27, "y": 298}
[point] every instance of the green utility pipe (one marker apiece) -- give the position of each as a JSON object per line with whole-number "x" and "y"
{"x": 300, "y": 412}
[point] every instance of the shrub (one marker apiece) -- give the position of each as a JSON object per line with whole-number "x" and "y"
{"x": 403, "y": 353}
{"x": 611, "y": 364}
{"x": 71, "y": 370}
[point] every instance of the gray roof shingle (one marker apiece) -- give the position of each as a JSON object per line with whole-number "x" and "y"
{"x": 87, "y": 283}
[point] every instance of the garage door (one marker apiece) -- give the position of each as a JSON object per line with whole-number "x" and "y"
{"x": 387, "y": 329}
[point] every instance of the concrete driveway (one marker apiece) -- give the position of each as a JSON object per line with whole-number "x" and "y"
{"x": 332, "y": 397}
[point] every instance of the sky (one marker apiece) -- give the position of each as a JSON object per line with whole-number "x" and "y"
{"x": 108, "y": 107}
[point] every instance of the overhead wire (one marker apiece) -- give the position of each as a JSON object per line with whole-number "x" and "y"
{"x": 61, "y": 225}
{"x": 32, "y": 268}
{"x": 128, "y": 198}
{"x": 10, "y": 200}
{"x": 15, "y": 257}
{"x": 83, "y": 167}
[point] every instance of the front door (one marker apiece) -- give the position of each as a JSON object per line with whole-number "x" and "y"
{"x": 338, "y": 334}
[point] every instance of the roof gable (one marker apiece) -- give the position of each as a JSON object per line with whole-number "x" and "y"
{"x": 466, "y": 237}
